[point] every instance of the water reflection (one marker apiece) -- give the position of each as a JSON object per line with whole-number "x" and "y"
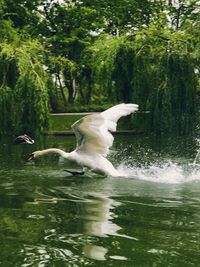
{"x": 95, "y": 252}
{"x": 95, "y": 213}
{"x": 99, "y": 215}
{"x": 98, "y": 222}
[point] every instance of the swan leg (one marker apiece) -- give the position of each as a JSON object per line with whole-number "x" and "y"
{"x": 75, "y": 173}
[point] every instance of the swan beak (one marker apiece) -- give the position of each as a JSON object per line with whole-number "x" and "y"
{"x": 31, "y": 156}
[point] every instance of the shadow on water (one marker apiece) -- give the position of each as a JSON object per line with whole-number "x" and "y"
{"x": 49, "y": 218}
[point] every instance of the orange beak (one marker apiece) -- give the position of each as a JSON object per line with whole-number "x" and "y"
{"x": 30, "y": 157}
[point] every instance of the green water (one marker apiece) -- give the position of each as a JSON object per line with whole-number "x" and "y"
{"x": 151, "y": 218}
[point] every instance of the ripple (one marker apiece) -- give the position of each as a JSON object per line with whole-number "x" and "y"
{"x": 119, "y": 258}
{"x": 36, "y": 216}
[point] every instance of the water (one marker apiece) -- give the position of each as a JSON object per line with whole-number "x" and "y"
{"x": 150, "y": 218}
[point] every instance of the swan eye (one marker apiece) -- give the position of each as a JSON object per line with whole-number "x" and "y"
{"x": 31, "y": 156}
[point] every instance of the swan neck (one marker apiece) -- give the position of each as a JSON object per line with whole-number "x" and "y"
{"x": 55, "y": 151}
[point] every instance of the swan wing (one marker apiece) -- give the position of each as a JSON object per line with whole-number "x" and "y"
{"x": 115, "y": 113}
{"x": 93, "y": 132}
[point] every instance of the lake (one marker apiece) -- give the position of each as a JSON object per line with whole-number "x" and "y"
{"x": 150, "y": 218}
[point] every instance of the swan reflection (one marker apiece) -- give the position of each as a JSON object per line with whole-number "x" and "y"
{"x": 99, "y": 222}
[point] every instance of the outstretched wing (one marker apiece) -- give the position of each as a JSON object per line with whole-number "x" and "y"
{"x": 93, "y": 132}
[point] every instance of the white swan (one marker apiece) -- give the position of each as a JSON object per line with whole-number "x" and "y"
{"x": 94, "y": 138}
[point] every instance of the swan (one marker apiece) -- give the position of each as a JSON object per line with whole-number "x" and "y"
{"x": 94, "y": 138}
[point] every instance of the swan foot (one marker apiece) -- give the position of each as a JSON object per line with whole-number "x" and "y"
{"x": 75, "y": 173}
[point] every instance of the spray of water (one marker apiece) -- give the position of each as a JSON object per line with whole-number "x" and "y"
{"x": 165, "y": 171}
{"x": 198, "y": 152}
{"x": 168, "y": 172}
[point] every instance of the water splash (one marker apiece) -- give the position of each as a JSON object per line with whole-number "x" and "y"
{"x": 167, "y": 172}
{"x": 198, "y": 152}
{"x": 175, "y": 165}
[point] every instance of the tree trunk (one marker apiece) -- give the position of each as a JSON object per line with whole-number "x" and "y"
{"x": 89, "y": 94}
{"x": 62, "y": 90}
{"x": 82, "y": 94}
{"x": 71, "y": 91}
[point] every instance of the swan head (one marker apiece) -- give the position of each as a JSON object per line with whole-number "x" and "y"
{"x": 34, "y": 155}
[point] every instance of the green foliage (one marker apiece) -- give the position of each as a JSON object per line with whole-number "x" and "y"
{"x": 21, "y": 12}
{"x": 99, "y": 53}
{"x": 6, "y": 110}
{"x": 102, "y": 56}
{"x": 23, "y": 86}
{"x": 154, "y": 69}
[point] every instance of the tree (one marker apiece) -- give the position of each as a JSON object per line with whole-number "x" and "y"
{"x": 68, "y": 33}
{"x": 124, "y": 15}
{"x": 154, "y": 69}
{"x": 23, "y": 88}
{"x": 182, "y": 10}
{"x": 22, "y": 13}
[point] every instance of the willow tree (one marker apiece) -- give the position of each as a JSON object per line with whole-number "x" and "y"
{"x": 64, "y": 71}
{"x": 153, "y": 68}
{"x": 23, "y": 88}
{"x": 102, "y": 59}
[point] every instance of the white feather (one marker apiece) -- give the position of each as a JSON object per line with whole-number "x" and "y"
{"x": 93, "y": 131}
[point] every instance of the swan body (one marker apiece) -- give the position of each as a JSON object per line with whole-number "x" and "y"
{"x": 94, "y": 138}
